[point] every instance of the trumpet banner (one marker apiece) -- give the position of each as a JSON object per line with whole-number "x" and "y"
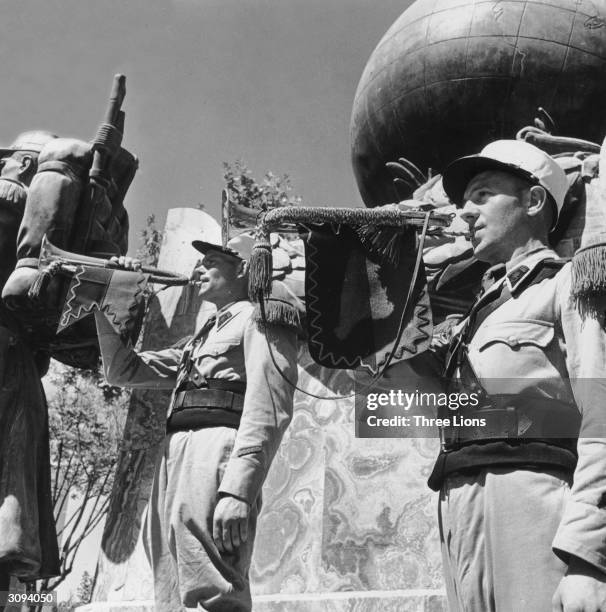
{"x": 118, "y": 293}
{"x": 356, "y": 300}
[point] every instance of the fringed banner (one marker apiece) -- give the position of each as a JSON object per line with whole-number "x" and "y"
{"x": 118, "y": 293}
{"x": 376, "y": 228}
{"x": 355, "y": 299}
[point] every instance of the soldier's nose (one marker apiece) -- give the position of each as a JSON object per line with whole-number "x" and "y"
{"x": 469, "y": 213}
{"x": 199, "y": 270}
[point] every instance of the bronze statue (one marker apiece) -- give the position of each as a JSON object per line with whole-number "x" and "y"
{"x": 76, "y": 198}
{"x": 28, "y": 542}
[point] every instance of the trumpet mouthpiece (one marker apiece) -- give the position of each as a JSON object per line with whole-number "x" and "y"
{"x": 455, "y": 234}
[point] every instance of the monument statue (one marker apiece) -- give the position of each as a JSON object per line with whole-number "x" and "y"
{"x": 72, "y": 192}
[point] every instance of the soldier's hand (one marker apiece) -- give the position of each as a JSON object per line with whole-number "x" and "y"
{"x": 230, "y": 523}
{"x": 126, "y": 263}
{"x": 583, "y": 589}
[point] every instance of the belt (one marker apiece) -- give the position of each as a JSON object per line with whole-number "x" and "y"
{"x": 208, "y": 407}
{"x": 209, "y": 398}
{"x": 200, "y": 417}
{"x": 550, "y": 421}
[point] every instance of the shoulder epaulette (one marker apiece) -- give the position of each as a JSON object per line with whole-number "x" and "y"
{"x": 547, "y": 268}
{"x": 281, "y": 307}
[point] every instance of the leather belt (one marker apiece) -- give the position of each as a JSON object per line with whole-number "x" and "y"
{"x": 550, "y": 421}
{"x": 219, "y": 405}
{"x": 200, "y": 417}
{"x": 209, "y": 398}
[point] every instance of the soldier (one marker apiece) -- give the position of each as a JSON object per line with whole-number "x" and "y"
{"x": 229, "y": 410}
{"x": 523, "y": 493}
{"x": 28, "y": 541}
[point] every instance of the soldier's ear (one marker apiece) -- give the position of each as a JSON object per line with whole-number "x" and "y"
{"x": 537, "y": 201}
{"x": 242, "y": 269}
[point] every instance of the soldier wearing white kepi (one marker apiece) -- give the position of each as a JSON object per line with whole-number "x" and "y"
{"x": 230, "y": 407}
{"x": 523, "y": 499}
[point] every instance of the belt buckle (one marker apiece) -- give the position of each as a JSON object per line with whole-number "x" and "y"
{"x": 449, "y": 438}
{"x": 504, "y": 423}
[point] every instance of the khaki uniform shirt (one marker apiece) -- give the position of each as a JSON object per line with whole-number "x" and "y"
{"x": 234, "y": 349}
{"x": 545, "y": 348}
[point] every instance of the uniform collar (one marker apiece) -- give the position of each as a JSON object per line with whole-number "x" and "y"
{"x": 521, "y": 268}
{"x": 227, "y": 312}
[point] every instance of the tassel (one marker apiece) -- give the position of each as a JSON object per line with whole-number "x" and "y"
{"x": 589, "y": 272}
{"x": 384, "y": 242}
{"x": 281, "y": 307}
{"x": 260, "y": 268}
{"x": 40, "y": 284}
{"x": 42, "y": 280}
{"x": 278, "y": 313}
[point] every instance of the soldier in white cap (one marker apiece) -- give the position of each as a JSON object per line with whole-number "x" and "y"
{"x": 230, "y": 407}
{"x": 28, "y": 541}
{"x": 523, "y": 483}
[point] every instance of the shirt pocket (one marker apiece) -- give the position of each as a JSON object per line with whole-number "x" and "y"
{"x": 516, "y": 335}
{"x": 216, "y": 347}
{"x": 516, "y": 350}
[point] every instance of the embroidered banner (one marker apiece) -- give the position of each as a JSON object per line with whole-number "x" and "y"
{"x": 355, "y": 300}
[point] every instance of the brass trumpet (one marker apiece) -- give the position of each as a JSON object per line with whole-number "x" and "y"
{"x": 67, "y": 262}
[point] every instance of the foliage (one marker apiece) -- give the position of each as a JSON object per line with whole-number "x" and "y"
{"x": 70, "y": 605}
{"x": 151, "y": 241}
{"x": 244, "y": 190}
{"x": 86, "y": 418}
{"x": 83, "y": 595}
{"x": 85, "y": 588}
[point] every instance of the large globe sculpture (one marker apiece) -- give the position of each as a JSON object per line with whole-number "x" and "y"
{"x": 451, "y": 75}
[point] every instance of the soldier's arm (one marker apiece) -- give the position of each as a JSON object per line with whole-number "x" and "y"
{"x": 124, "y": 367}
{"x": 582, "y": 531}
{"x": 267, "y": 409}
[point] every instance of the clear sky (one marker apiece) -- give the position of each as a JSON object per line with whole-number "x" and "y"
{"x": 270, "y": 81}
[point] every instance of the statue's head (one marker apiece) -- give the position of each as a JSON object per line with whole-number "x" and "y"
{"x": 19, "y": 161}
{"x": 18, "y": 164}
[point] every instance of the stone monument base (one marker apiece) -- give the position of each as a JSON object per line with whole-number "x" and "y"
{"x": 414, "y": 600}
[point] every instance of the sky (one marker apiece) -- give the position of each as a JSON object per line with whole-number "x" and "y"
{"x": 269, "y": 81}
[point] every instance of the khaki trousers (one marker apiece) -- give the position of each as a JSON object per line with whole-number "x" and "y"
{"x": 496, "y": 529}
{"x": 189, "y": 572}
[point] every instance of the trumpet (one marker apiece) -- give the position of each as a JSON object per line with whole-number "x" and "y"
{"x": 454, "y": 234}
{"x": 52, "y": 257}
{"x": 290, "y": 219}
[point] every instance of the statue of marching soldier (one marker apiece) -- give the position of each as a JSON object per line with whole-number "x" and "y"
{"x": 28, "y": 542}
{"x": 72, "y": 192}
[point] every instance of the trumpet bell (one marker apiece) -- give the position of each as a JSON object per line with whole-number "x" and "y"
{"x": 50, "y": 253}
{"x": 67, "y": 262}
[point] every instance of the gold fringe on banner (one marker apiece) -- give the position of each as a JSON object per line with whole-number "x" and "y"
{"x": 376, "y": 228}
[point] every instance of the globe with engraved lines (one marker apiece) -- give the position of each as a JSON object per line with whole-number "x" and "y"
{"x": 451, "y": 75}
